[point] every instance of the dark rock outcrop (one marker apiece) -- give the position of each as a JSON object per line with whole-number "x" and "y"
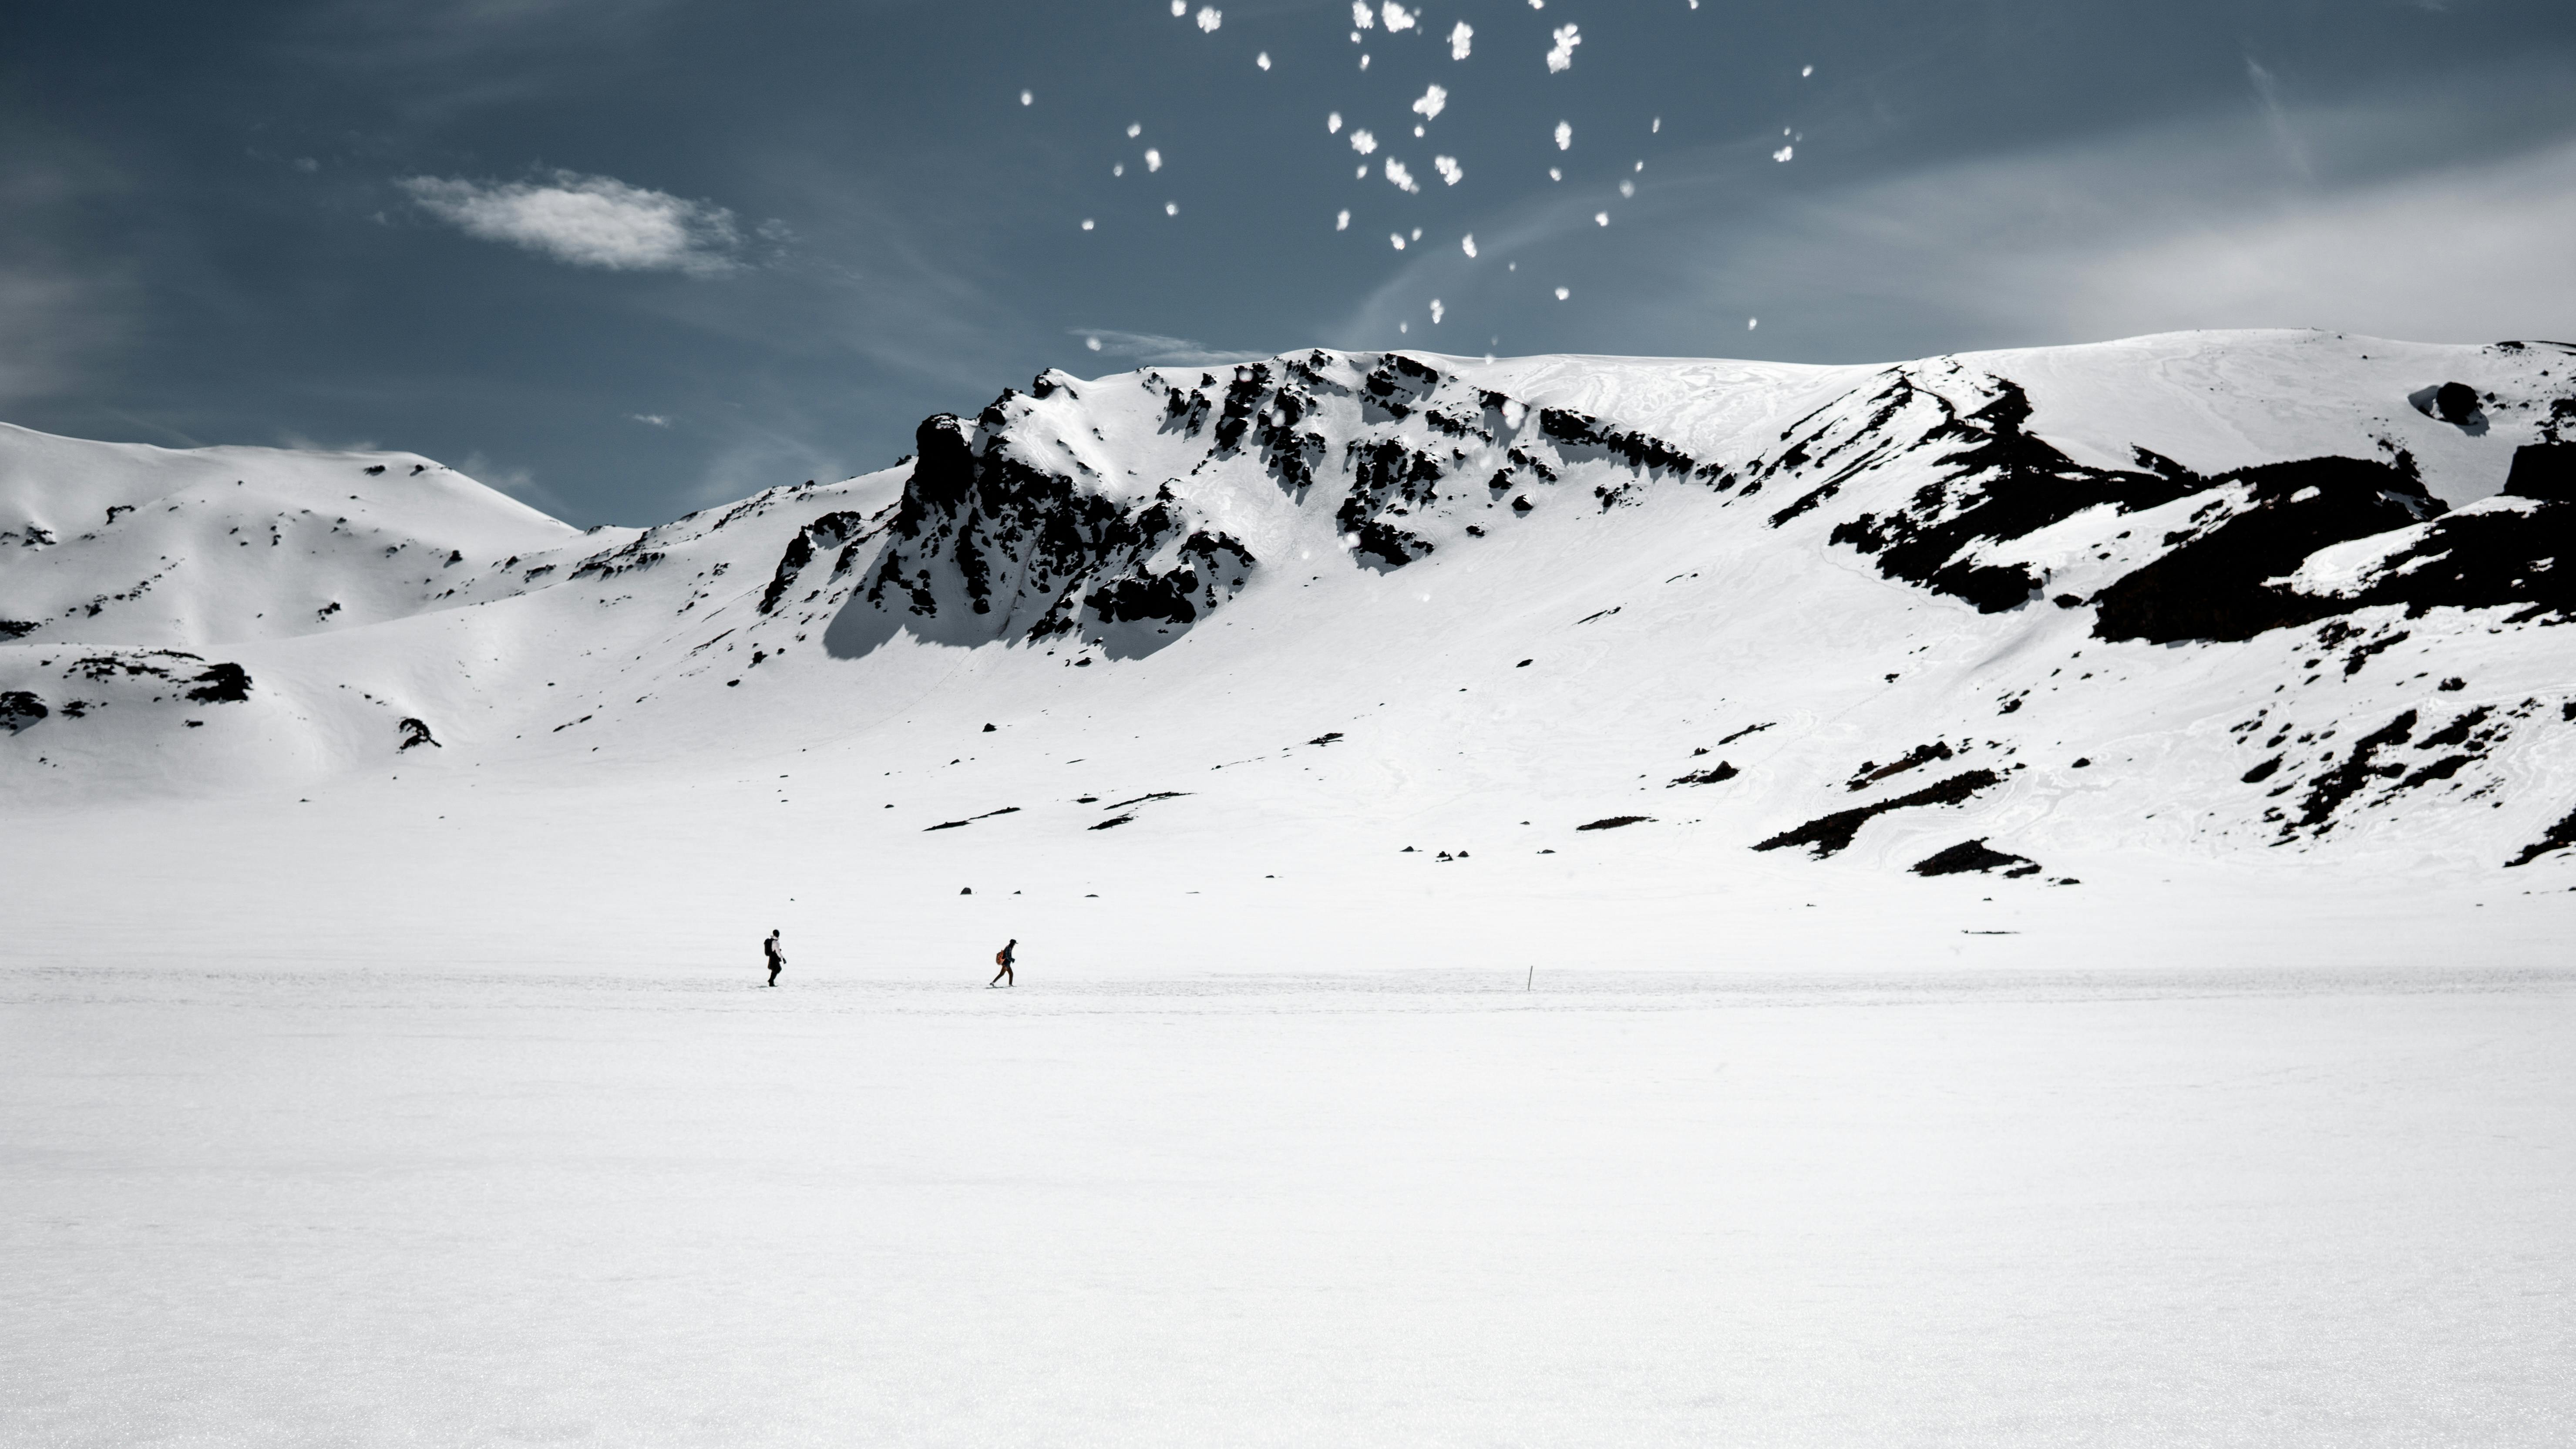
{"x": 986, "y": 545}
{"x": 19, "y": 709}
{"x": 1832, "y": 834}
{"x": 2006, "y": 483}
{"x": 1974, "y": 855}
{"x": 2215, "y": 581}
{"x": 2561, "y": 836}
{"x": 221, "y": 684}
{"x": 2546, "y": 471}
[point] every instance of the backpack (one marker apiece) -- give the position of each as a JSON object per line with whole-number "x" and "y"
{"x": 1002, "y": 957}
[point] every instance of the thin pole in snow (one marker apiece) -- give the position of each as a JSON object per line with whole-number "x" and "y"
{"x": 1533, "y": 977}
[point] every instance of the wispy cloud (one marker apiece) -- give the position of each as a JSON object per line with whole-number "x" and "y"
{"x": 754, "y": 457}
{"x": 1156, "y": 349}
{"x": 2276, "y": 114}
{"x": 303, "y": 442}
{"x": 2394, "y": 231}
{"x": 65, "y": 310}
{"x": 48, "y": 312}
{"x": 589, "y": 221}
{"x": 458, "y": 56}
{"x": 519, "y": 483}
{"x": 2451, "y": 256}
{"x": 650, "y": 420}
{"x": 2161, "y": 232}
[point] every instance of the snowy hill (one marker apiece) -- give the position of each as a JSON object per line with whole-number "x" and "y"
{"x": 2218, "y": 595}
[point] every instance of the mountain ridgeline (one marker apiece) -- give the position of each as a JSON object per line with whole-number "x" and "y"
{"x": 2244, "y": 547}
{"x": 1003, "y": 518}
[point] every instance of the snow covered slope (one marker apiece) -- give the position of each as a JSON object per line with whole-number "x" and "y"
{"x": 122, "y": 543}
{"x": 2031, "y": 614}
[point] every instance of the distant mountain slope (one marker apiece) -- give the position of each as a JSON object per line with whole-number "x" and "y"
{"x": 2215, "y": 592}
{"x": 121, "y": 543}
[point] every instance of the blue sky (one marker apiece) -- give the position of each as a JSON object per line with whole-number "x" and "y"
{"x": 628, "y": 257}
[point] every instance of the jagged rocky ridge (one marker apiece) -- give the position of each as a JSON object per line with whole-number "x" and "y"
{"x": 1005, "y": 524}
{"x": 1004, "y": 519}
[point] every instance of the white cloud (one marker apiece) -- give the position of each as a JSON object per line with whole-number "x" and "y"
{"x": 1462, "y": 40}
{"x": 651, "y": 420}
{"x": 1154, "y": 349}
{"x": 589, "y": 221}
{"x": 1435, "y": 99}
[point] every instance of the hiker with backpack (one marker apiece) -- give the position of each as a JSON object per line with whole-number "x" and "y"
{"x": 1002, "y": 958}
{"x": 777, "y": 956}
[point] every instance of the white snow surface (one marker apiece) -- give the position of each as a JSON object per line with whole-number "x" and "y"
{"x": 358, "y": 1093}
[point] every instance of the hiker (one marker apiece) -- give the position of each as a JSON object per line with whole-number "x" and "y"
{"x": 1002, "y": 958}
{"x": 777, "y": 957}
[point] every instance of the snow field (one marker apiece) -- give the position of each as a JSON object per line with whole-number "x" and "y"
{"x": 314, "y": 1202}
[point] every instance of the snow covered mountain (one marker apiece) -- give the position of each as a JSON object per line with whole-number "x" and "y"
{"x": 2216, "y": 594}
